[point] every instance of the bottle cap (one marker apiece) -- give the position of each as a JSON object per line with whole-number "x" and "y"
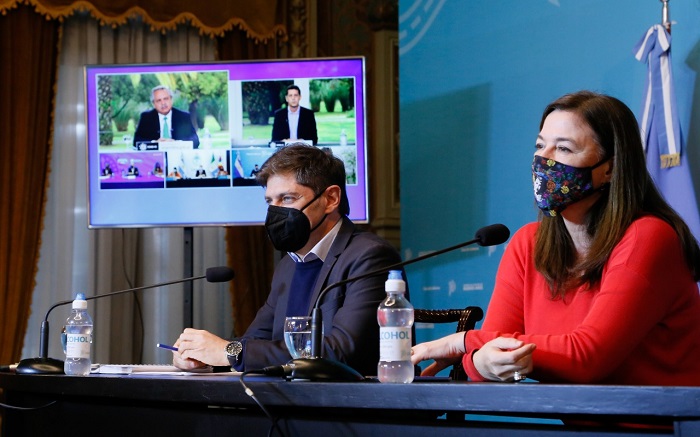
{"x": 395, "y": 282}
{"x": 79, "y": 303}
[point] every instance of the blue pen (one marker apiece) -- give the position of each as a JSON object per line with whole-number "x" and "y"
{"x": 165, "y": 346}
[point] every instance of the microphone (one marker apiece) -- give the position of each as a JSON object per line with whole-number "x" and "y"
{"x": 45, "y": 365}
{"x": 317, "y": 368}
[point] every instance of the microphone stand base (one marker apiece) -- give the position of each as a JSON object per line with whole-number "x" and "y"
{"x": 321, "y": 369}
{"x": 40, "y": 366}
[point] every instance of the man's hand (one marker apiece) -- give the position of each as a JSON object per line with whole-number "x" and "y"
{"x": 197, "y": 348}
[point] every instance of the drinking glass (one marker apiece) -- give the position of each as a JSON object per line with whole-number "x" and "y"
{"x": 297, "y": 336}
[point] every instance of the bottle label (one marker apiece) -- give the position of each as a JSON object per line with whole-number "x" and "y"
{"x": 78, "y": 345}
{"x": 394, "y": 343}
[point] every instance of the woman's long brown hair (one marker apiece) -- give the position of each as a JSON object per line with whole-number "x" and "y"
{"x": 631, "y": 194}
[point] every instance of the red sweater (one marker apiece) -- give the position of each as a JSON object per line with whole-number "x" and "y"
{"x": 639, "y": 326}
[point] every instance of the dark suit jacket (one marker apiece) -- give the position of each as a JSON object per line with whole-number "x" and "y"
{"x": 305, "y": 130}
{"x": 351, "y": 332}
{"x": 181, "y": 127}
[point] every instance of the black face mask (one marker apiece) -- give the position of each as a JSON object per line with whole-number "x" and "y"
{"x": 289, "y": 228}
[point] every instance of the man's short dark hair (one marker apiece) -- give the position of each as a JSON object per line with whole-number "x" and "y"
{"x": 311, "y": 166}
{"x": 293, "y": 87}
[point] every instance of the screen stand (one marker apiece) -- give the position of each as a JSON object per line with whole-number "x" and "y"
{"x": 188, "y": 313}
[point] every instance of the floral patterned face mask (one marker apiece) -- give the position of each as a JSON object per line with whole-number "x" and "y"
{"x": 559, "y": 185}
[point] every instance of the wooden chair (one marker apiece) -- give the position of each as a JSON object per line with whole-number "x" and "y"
{"x": 466, "y": 319}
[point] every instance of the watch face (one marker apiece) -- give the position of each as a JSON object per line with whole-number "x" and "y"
{"x": 234, "y": 348}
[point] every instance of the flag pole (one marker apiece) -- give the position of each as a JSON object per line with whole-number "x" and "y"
{"x": 665, "y": 19}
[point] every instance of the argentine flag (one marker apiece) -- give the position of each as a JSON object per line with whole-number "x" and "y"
{"x": 661, "y": 128}
{"x": 238, "y": 167}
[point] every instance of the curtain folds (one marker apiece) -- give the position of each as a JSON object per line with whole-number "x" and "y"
{"x": 27, "y": 79}
{"x": 251, "y": 255}
{"x": 261, "y": 20}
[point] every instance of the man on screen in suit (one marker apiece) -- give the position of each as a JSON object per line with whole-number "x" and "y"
{"x": 163, "y": 122}
{"x": 294, "y": 122}
{"x": 307, "y": 218}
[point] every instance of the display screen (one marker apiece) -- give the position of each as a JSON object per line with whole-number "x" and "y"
{"x": 179, "y": 144}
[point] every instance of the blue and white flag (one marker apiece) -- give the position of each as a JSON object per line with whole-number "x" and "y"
{"x": 661, "y": 128}
{"x": 238, "y": 167}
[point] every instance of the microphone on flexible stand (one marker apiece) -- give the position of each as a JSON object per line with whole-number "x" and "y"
{"x": 45, "y": 365}
{"x": 317, "y": 368}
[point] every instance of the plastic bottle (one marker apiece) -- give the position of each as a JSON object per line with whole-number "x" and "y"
{"x": 78, "y": 338}
{"x": 395, "y": 318}
{"x": 343, "y": 138}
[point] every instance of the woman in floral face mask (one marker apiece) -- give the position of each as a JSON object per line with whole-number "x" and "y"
{"x": 602, "y": 289}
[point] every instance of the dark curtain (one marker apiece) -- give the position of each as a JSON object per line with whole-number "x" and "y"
{"x": 28, "y": 56}
{"x": 250, "y": 252}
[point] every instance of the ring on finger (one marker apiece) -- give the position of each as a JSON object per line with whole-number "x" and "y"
{"x": 517, "y": 376}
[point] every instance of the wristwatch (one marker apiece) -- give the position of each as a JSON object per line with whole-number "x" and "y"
{"x": 233, "y": 350}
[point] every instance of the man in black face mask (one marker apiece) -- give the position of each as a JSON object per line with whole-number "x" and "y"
{"x": 307, "y": 218}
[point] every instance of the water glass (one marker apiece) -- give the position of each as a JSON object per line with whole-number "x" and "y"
{"x": 297, "y": 336}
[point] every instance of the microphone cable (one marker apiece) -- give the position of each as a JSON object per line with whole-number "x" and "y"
{"x": 14, "y": 407}
{"x": 249, "y": 392}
